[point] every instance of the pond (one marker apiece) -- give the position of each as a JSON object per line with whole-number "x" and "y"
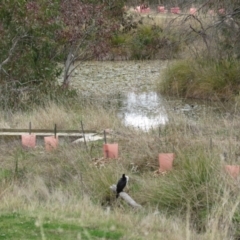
{"x": 132, "y": 85}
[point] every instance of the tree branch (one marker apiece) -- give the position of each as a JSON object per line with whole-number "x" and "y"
{"x": 126, "y": 197}
{"x": 201, "y": 33}
{"x": 74, "y": 54}
{"x": 71, "y": 58}
{"x": 10, "y": 53}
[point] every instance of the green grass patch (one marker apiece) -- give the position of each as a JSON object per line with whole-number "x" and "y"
{"x": 18, "y": 226}
{"x": 5, "y": 174}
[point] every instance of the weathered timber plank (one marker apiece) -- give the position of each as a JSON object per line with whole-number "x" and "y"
{"x": 13, "y": 130}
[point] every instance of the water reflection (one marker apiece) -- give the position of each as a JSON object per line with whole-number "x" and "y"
{"x": 143, "y": 110}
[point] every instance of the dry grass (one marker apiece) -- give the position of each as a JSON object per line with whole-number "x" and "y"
{"x": 66, "y": 207}
{"x": 66, "y": 185}
{"x": 66, "y": 117}
{"x": 197, "y": 200}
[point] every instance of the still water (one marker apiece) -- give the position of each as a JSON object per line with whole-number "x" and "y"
{"x": 133, "y": 81}
{"x": 143, "y": 110}
{"x": 133, "y": 84}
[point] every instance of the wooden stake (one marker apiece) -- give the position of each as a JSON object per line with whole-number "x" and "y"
{"x": 84, "y": 135}
{"x": 30, "y": 128}
{"x": 55, "y": 130}
{"x": 105, "y": 138}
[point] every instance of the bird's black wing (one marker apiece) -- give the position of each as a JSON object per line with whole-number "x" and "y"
{"x": 121, "y": 185}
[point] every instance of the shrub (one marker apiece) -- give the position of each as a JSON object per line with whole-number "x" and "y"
{"x": 202, "y": 78}
{"x": 195, "y": 186}
{"x": 150, "y": 42}
{"x": 119, "y": 39}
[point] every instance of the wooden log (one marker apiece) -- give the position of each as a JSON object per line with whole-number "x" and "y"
{"x": 126, "y": 197}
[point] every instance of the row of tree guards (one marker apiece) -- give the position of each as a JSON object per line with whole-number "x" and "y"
{"x": 175, "y": 10}
{"x": 110, "y": 150}
{"x": 29, "y": 140}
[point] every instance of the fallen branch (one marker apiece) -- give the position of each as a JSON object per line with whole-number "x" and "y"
{"x": 126, "y": 197}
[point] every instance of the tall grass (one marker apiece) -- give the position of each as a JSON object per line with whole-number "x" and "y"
{"x": 196, "y": 200}
{"x": 202, "y": 78}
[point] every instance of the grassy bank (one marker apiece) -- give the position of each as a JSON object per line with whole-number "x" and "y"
{"x": 202, "y": 79}
{"x": 65, "y": 194}
{"x": 206, "y": 46}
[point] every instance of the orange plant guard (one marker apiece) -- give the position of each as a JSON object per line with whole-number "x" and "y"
{"x": 29, "y": 140}
{"x": 161, "y": 9}
{"x": 233, "y": 170}
{"x": 110, "y": 150}
{"x": 165, "y": 161}
{"x": 51, "y": 143}
{"x": 193, "y": 11}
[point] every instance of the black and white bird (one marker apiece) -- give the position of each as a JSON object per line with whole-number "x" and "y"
{"x": 122, "y": 184}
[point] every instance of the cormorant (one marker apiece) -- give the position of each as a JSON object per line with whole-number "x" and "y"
{"x": 121, "y": 184}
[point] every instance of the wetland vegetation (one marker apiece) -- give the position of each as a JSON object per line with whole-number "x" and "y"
{"x": 65, "y": 194}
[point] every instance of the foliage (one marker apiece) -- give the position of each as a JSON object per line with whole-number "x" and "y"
{"x": 29, "y": 47}
{"x": 148, "y": 42}
{"x": 88, "y": 28}
{"x": 119, "y": 40}
{"x": 177, "y": 78}
{"x": 229, "y": 42}
{"x": 37, "y": 35}
{"x": 211, "y": 79}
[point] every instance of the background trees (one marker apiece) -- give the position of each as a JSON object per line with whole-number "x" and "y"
{"x": 28, "y": 49}
{"x": 88, "y": 27}
{"x": 37, "y": 35}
